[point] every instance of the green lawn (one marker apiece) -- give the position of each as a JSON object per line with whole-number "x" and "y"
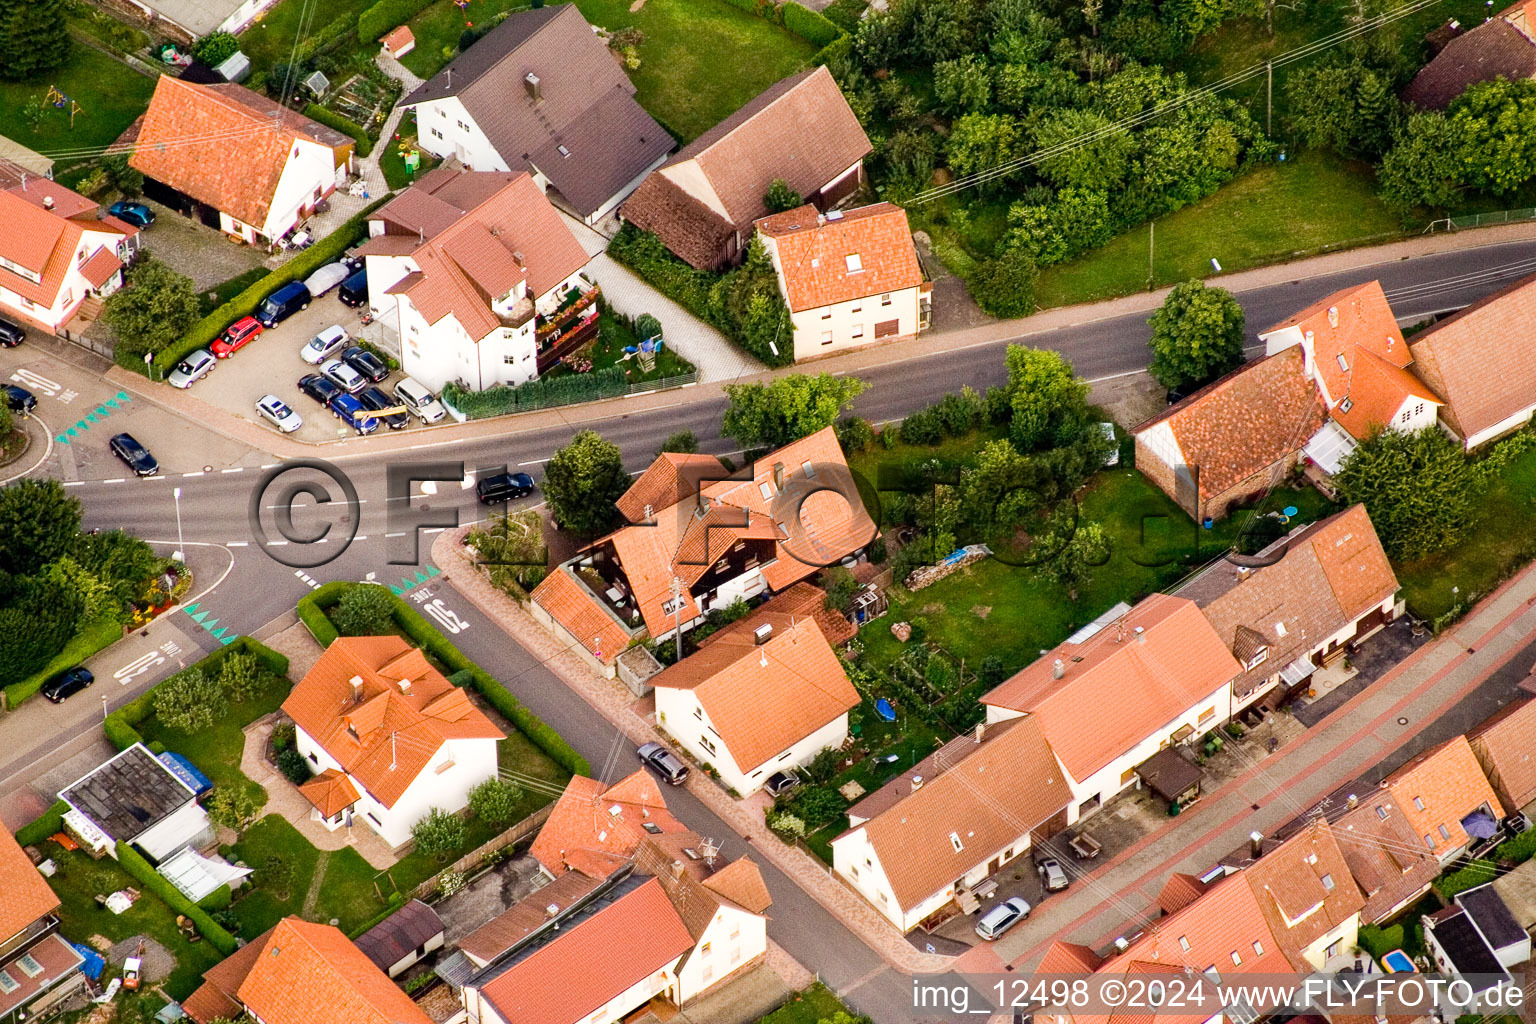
{"x": 608, "y": 350}
{"x": 814, "y": 1004}
{"x": 270, "y": 39}
{"x": 110, "y": 96}
{"x": 1269, "y": 215}
{"x": 1500, "y": 542}
{"x": 439, "y": 27}
{"x": 285, "y": 864}
{"x": 79, "y": 880}
{"x": 392, "y": 164}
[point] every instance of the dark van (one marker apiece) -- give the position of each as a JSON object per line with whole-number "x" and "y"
{"x": 354, "y": 290}
{"x": 283, "y": 303}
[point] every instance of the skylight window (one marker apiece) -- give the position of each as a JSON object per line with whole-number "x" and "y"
{"x": 29, "y": 966}
{"x": 855, "y": 264}
{"x": 8, "y": 984}
{"x": 1343, "y": 363}
{"x": 1328, "y": 882}
{"x": 954, "y": 840}
{"x": 1184, "y": 943}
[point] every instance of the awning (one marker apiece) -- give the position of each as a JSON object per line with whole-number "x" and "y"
{"x": 1183, "y": 733}
{"x": 197, "y": 876}
{"x": 1169, "y": 775}
{"x": 1329, "y": 447}
{"x": 1297, "y": 670}
{"x": 1480, "y": 825}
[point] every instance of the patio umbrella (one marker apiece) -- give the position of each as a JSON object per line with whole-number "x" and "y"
{"x": 1480, "y": 825}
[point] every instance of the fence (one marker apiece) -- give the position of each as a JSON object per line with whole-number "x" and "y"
{"x": 470, "y": 861}
{"x": 1482, "y": 220}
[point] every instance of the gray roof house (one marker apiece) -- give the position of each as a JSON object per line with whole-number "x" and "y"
{"x": 134, "y": 798}
{"x": 402, "y": 938}
{"x": 1477, "y": 939}
{"x": 542, "y": 93}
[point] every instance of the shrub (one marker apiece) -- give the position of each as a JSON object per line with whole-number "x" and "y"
{"x": 959, "y": 412}
{"x": 1475, "y": 873}
{"x": 786, "y": 825}
{"x": 810, "y": 25}
{"x": 241, "y": 677}
{"x": 52, "y": 821}
{"x": 922, "y": 427}
{"x": 232, "y": 807}
{"x": 1005, "y": 287}
{"x": 218, "y": 900}
{"x": 293, "y": 766}
{"x": 190, "y": 701}
{"x": 1519, "y": 849}
{"x": 375, "y": 22}
{"x": 284, "y": 735}
{"x": 817, "y": 806}
{"x": 439, "y": 833}
{"x": 448, "y": 883}
{"x": 840, "y": 587}
{"x": 1379, "y": 941}
{"x": 877, "y": 552}
{"x": 364, "y": 611}
{"x": 647, "y": 326}
{"x": 495, "y": 801}
{"x": 855, "y": 434}
{"x": 781, "y": 197}
{"x": 345, "y": 125}
{"x": 139, "y": 868}
{"x": 215, "y": 48}
{"x": 541, "y": 393}
{"x": 684, "y": 442}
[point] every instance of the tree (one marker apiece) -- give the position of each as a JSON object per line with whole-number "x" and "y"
{"x": 1342, "y": 105}
{"x": 439, "y": 833}
{"x": 583, "y": 480}
{"x": 1423, "y": 168}
{"x": 190, "y": 701}
{"x": 1005, "y": 286}
{"x": 39, "y": 522}
{"x": 37, "y": 618}
{"x": 157, "y": 308}
{"x": 34, "y": 38}
{"x": 96, "y": 598}
{"x": 231, "y": 806}
{"x": 781, "y": 197}
{"x": 980, "y": 142}
{"x": 293, "y": 766}
{"x": 963, "y": 85}
{"x": 1099, "y": 165}
{"x": 1072, "y": 551}
{"x": 495, "y": 801}
{"x": 7, "y": 422}
{"x": 684, "y": 442}
{"x": 772, "y": 415}
{"x": 215, "y": 48}
{"x": 1497, "y": 124}
{"x": 241, "y": 676}
{"x": 840, "y": 587}
{"x": 1000, "y": 490}
{"x": 1049, "y": 402}
{"x": 1197, "y": 335}
{"x": 122, "y": 561}
{"x": 1418, "y": 489}
{"x": 126, "y": 179}
{"x": 364, "y": 610}
{"x": 647, "y": 327}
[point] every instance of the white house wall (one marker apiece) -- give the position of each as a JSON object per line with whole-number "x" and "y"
{"x": 74, "y": 288}
{"x": 681, "y": 714}
{"x": 1500, "y": 428}
{"x": 384, "y": 272}
{"x": 445, "y": 129}
{"x": 732, "y": 939}
{"x": 309, "y": 175}
{"x": 847, "y": 325}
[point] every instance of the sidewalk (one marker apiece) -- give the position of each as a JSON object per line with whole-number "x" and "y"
{"x": 613, "y": 700}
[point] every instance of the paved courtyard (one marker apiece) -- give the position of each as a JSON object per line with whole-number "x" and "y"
{"x": 189, "y": 247}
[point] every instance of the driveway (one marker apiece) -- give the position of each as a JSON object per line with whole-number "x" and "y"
{"x": 207, "y": 256}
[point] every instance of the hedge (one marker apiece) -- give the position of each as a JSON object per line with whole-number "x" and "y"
{"x": 120, "y": 724}
{"x": 375, "y": 22}
{"x": 218, "y": 900}
{"x": 93, "y": 637}
{"x": 810, "y": 25}
{"x": 1379, "y": 941}
{"x": 328, "y": 250}
{"x": 541, "y": 393}
{"x": 345, "y": 125}
{"x": 1472, "y": 875}
{"x": 174, "y": 898}
{"x": 52, "y": 821}
{"x": 396, "y": 901}
{"x": 426, "y": 636}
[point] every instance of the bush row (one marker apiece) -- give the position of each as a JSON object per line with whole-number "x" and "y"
{"x": 121, "y": 725}
{"x": 541, "y": 393}
{"x": 52, "y": 821}
{"x": 810, "y": 25}
{"x": 174, "y": 898}
{"x": 426, "y": 636}
{"x": 375, "y": 22}
{"x": 345, "y": 125}
{"x": 327, "y": 250}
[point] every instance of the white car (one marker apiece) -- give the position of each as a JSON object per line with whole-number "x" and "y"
{"x": 325, "y": 344}
{"x": 277, "y": 412}
{"x": 191, "y": 369}
{"x": 422, "y": 403}
{"x": 343, "y": 376}
{"x": 326, "y": 278}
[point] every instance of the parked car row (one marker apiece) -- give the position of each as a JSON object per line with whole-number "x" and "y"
{"x": 350, "y": 394}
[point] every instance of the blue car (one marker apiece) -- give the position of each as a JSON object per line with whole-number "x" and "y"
{"x": 137, "y": 214}
{"x": 349, "y": 410}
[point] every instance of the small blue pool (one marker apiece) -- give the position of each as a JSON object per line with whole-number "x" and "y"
{"x": 884, "y": 710}
{"x": 1397, "y": 962}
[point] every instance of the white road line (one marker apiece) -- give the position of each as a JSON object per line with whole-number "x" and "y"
{"x": 276, "y": 543}
{"x": 363, "y": 537}
{"x": 434, "y": 529}
{"x": 321, "y": 540}
{"x": 401, "y": 534}
{"x": 237, "y": 469}
{"x": 198, "y": 473}
{"x": 116, "y": 480}
{"x": 271, "y": 465}
{"x": 535, "y": 462}
{"x": 237, "y": 544}
{"x": 73, "y": 483}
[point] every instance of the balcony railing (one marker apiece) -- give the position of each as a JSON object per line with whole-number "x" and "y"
{"x": 563, "y": 344}
{"x": 555, "y": 323}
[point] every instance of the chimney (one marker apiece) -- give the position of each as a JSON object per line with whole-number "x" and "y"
{"x": 405, "y": 686}
{"x": 1333, "y": 316}
{"x": 47, "y": 202}
{"x": 1256, "y": 844}
{"x": 762, "y": 634}
{"x": 778, "y": 476}
{"x": 552, "y": 910}
{"x": 917, "y": 783}
{"x": 1243, "y": 572}
{"x": 535, "y": 90}
{"x": 1309, "y": 338}
{"x": 1121, "y": 945}
{"x": 1058, "y": 669}
{"x": 1119, "y": 631}
{"x": 357, "y": 688}
{"x": 1353, "y": 801}
{"x": 1139, "y": 630}
{"x": 980, "y": 730}
{"x": 677, "y": 869}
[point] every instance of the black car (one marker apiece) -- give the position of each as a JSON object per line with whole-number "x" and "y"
{"x": 135, "y": 455}
{"x": 20, "y": 399}
{"x": 365, "y": 363}
{"x": 11, "y": 334}
{"x": 318, "y": 387}
{"x": 67, "y": 683}
{"x": 374, "y": 399}
{"x": 494, "y": 490}
{"x": 666, "y": 763}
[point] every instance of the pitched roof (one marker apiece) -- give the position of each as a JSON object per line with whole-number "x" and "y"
{"x": 100, "y": 267}
{"x": 24, "y": 894}
{"x": 742, "y": 883}
{"x": 1154, "y": 664}
{"x": 970, "y": 805}
{"x": 1494, "y": 49}
{"x": 592, "y": 963}
{"x": 45, "y": 241}
{"x": 222, "y": 145}
{"x": 1385, "y": 855}
{"x": 584, "y": 833}
{"x": 800, "y": 129}
{"x": 306, "y": 972}
{"x": 385, "y": 730}
{"x": 687, "y": 885}
{"x": 588, "y": 620}
{"x": 1069, "y": 958}
{"x": 1304, "y": 888}
{"x": 1257, "y": 415}
{"x": 217, "y": 996}
{"x": 863, "y": 252}
{"x": 764, "y": 698}
{"x": 1305, "y": 587}
{"x": 1179, "y": 892}
{"x": 1449, "y": 784}
{"x": 398, "y": 935}
{"x": 330, "y": 792}
{"x": 1505, "y": 746}
{"x": 528, "y": 915}
{"x": 1477, "y": 362}
{"x": 586, "y": 104}
{"x": 672, "y": 478}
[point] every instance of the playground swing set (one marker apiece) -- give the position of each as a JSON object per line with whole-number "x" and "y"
{"x": 60, "y": 99}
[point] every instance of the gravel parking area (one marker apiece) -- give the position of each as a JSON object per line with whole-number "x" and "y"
{"x": 203, "y": 254}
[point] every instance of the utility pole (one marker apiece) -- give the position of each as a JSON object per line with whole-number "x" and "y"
{"x": 677, "y": 613}
{"x": 1151, "y": 249}
{"x": 1269, "y": 97}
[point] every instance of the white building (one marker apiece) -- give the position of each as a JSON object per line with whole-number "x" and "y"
{"x": 388, "y": 737}
{"x": 480, "y": 277}
{"x": 57, "y": 250}
{"x": 135, "y": 799}
{"x": 849, "y": 278}
{"x": 763, "y": 695}
{"x": 541, "y": 93}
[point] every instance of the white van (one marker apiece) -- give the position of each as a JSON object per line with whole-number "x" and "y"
{"x": 422, "y": 403}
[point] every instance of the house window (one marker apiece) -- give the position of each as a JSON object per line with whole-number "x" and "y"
{"x": 1381, "y": 812}
{"x": 855, "y": 264}
{"x": 1418, "y": 410}
{"x": 1418, "y": 803}
{"x": 1343, "y": 363}
{"x": 1258, "y": 949}
{"x": 885, "y": 300}
{"x": 1184, "y": 943}
{"x": 1429, "y": 840}
{"x": 736, "y": 931}
{"x": 954, "y": 840}
{"x": 1237, "y": 959}
{"x": 853, "y": 870}
{"x": 698, "y": 713}
{"x": 857, "y": 332}
{"x": 1406, "y": 416}
{"x": 376, "y": 821}
{"x": 313, "y": 759}
{"x": 826, "y": 316}
{"x": 1259, "y": 657}
{"x": 464, "y": 128}
{"x": 709, "y": 972}
{"x": 1346, "y": 405}
{"x": 704, "y": 742}
{"x": 1445, "y": 833}
{"x": 868, "y": 863}
{"x": 704, "y": 949}
{"x": 826, "y": 337}
{"x": 1208, "y": 714}
{"x": 436, "y": 133}
{"x": 1280, "y": 629}
{"x": 1212, "y": 973}
{"x": 883, "y": 899}
{"x": 1327, "y": 881}
{"x": 1334, "y": 949}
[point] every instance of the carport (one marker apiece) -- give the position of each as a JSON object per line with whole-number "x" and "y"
{"x": 1171, "y": 776}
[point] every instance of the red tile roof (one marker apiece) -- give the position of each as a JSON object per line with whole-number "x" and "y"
{"x": 224, "y": 146}
{"x": 1163, "y": 651}
{"x": 1253, "y": 418}
{"x": 1385, "y": 855}
{"x": 24, "y": 894}
{"x": 309, "y": 972}
{"x": 45, "y": 241}
{"x": 670, "y": 479}
{"x": 598, "y": 960}
{"x": 100, "y": 267}
{"x": 1494, "y": 49}
{"x": 814, "y": 254}
{"x": 527, "y": 916}
{"x": 583, "y": 832}
{"x": 1179, "y": 892}
{"x": 1505, "y": 746}
{"x": 742, "y": 883}
{"x": 381, "y": 732}
{"x": 1449, "y": 784}
{"x": 330, "y": 792}
{"x": 1305, "y": 888}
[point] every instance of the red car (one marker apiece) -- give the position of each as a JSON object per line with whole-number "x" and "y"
{"x": 236, "y": 336}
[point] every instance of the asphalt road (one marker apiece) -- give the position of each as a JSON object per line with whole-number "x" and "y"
{"x": 215, "y": 508}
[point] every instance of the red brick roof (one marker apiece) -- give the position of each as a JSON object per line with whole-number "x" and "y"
{"x": 1305, "y": 888}
{"x": 670, "y": 479}
{"x": 100, "y": 267}
{"x": 598, "y": 960}
{"x": 44, "y": 242}
{"x": 584, "y": 834}
{"x": 1163, "y": 650}
{"x": 382, "y": 733}
{"x": 570, "y": 604}
{"x": 24, "y": 894}
{"x": 1494, "y": 49}
{"x": 309, "y": 972}
{"x": 742, "y": 883}
{"x": 1253, "y": 418}
{"x": 1179, "y": 892}
{"x": 815, "y": 254}
{"x": 1505, "y": 746}
{"x": 222, "y": 145}
{"x": 1386, "y": 857}
{"x": 330, "y": 792}
{"x": 1449, "y": 784}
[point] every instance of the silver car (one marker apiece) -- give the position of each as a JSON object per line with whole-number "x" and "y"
{"x": 421, "y": 402}
{"x": 191, "y": 369}
{"x": 325, "y": 344}
{"x": 1052, "y": 876}
{"x": 1002, "y": 917}
{"x": 343, "y": 376}
{"x": 277, "y": 412}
